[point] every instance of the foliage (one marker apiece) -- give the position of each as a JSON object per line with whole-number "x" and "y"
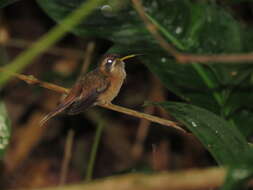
{"x": 4, "y": 129}
{"x": 218, "y": 95}
{"x": 224, "y": 141}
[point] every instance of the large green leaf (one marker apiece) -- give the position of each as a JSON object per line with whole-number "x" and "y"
{"x": 223, "y": 140}
{"x": 4, "y": 129}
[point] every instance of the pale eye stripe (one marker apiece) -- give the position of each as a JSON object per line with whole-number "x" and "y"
{"x": 113, "y": 64}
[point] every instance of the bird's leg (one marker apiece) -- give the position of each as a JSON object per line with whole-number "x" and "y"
{"x": 103, "y": 102}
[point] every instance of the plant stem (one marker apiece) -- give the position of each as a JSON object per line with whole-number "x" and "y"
{"x": 93, "y": 153}
{"x": 49, "y": 39}
{"x": 209, "y": 83}
{"x": 164, "y": 31}
{"x": 67, "y": 156}
{"x": 208, "y": 178}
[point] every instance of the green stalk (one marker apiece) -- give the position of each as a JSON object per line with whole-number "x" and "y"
{"x": 47, "y": 40}
{"x": 209, "y": 83}
{"x": 199, "y": 68}
{"x": 93, "y": 153}
{"x": 164, "y": 31}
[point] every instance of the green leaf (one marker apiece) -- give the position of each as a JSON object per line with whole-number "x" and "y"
{"x": 239, "y": 173}
{"x": 4, "y": 3}
{"x": 4, "y": 129}
{"x": 113, "y": 25}
{"x": 237, "y": 176}
{"x": 183, "y": 80}
{"x": 224, "y": 141}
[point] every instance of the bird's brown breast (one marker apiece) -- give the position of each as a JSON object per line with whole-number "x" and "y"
{"x": 112, "y": 91}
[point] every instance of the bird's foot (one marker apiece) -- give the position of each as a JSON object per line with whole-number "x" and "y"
{"x": 102, "y": 102}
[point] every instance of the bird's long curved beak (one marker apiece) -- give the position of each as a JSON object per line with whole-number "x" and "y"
{"x": 129, "y": 56}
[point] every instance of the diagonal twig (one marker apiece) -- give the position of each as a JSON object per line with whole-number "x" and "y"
{"x": 154, "y": 31}
{"x": 209, "y": 178}
{"x": 32, "y": 80}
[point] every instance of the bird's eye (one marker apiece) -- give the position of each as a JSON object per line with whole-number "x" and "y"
{"x": 108, "y": 64}
{"x": 109, "y": 61}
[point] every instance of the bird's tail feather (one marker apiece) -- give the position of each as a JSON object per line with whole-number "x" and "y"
{"x": 60, "y": 108}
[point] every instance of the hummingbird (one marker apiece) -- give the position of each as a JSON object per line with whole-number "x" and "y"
{"x": 99, "y": 86}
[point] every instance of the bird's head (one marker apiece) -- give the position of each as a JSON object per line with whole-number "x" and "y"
{"x": 111, "y": 64}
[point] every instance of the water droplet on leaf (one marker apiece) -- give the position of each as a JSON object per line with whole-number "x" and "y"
{"x": 163, "y": 59}
{"x": 178, "y": 30}
{"x": 194, "y": 124}
{"x": 240, "y": 173}
{"x": 107, "y": 11}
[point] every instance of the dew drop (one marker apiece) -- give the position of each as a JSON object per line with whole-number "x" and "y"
{"x": 154, "y": 4}
{"x": 178, "y": 30}
{"x": 194, "y": 124}
{"x": 107, "y": 10}
{"x": 240, "y": 173}
{"x": 163, "y": 59}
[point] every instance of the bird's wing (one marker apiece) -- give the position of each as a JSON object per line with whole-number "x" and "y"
{"x": 93, "y": 86}
{"x": 83, "y": 94}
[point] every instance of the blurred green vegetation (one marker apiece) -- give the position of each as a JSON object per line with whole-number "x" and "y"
{"x": 216, "y": 100}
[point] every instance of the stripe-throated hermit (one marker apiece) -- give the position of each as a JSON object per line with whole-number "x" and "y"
{"x": 101, "y": 86}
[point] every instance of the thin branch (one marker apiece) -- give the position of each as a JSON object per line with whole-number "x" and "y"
{"x": 143, "y": 116}
{"x": 93, "y": 154}
{"x": 210, "y": 178}
{"x": 32, "y": 80}
{"x": 88, "y": 57}
{"x": 229, "y": 58}
{"x": 58, "y": 51}
{"x": 67, "y": 156}
{"x": 153, "y": 30}
{"x": 185, "y": 57}
{"x": 142, "y": 132}
{"x": 155, "y": 95}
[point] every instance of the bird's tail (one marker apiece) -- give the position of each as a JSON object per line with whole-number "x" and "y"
{"x": 60, "y": 108}
{"x": 68, "y": 100}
